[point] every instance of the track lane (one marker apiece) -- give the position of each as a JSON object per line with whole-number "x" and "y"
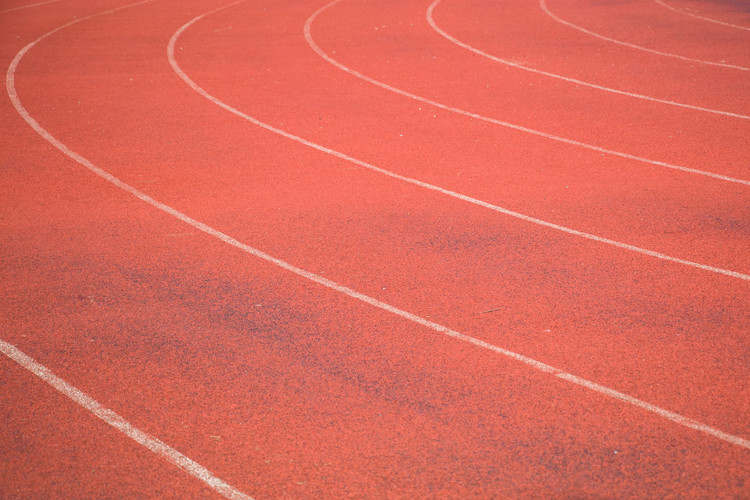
{"x": 513, "y": 31}
{"x": 651, "y": 31}
{"x": 588, "y": 82}
{"x": 651, "y": 95}
{"x": 150, "y": 167}
{"x": 700, "y": 7}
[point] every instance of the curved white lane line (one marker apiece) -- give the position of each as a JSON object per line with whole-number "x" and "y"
{"x": 663, "y": 4}
{"x": 546, "y": 10}
{"x": 27, "y": 6}
{"x": 146, "y": 440}
{"x": 327, "y": 57}
{"x": 416, "y": 182}
{"x": 537, "y": 365}
{"x": 568, "y": 79}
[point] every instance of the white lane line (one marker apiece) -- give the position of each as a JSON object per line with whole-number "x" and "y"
{"x": 664, "y": 4}
{"x": 568, "y": 79}
{"x": 153, "y": 444}
{"x": 27, "y": 6}
{"x": 537, "y": 365}
{"x": 146, "y": 440}
{"x": 546, "y": 10}
{"x": 416, "y": 182}
{"x": 520, "y": 128}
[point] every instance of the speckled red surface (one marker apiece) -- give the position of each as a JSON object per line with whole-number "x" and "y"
{"x": 284, "y": 388}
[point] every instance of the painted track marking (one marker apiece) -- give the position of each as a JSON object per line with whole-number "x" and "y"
{"x": 27, "y": 6}
{"x": 453, "y": 39}
{"x": 543, "y": 5}
{"x": 520, "y": 128}
{"x": 664, "y": 4}
{"x": 537, "y": 365}
{"x": 110, "y": 417}
{"x": 144, "y": 439}
{"x": 200, "y": 90}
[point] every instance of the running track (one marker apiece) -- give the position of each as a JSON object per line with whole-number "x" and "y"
{"x": 375, "y": 249}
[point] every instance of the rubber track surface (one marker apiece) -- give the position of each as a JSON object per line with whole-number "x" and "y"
{"x": 281, "y": 384}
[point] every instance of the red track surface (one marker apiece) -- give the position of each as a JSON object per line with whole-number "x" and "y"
{"x": 283, "y": 387}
